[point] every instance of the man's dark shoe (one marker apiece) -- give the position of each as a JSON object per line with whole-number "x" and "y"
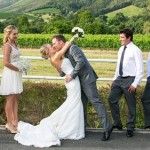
{"x": 129, "y": 133}
{"x": 106, "y": 134}
{"x": 147, "y": 127}
{"x": 119, "y": 127}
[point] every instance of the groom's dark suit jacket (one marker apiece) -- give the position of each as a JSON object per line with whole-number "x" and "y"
{"x": 82, "y": 68}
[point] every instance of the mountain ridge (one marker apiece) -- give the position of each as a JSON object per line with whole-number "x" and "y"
{"x": 98, "y": 7}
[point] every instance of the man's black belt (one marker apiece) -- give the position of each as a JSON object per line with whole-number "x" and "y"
{"x": 126, "y": 77}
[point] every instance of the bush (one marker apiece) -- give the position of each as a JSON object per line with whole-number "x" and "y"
{"x": 39, "y": 100}
{"x": 90, "y": 41}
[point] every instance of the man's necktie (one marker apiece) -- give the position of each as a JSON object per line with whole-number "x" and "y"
{"x": 121, "y": 61}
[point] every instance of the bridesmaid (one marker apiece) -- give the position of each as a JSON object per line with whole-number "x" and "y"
{"x": 11, "y": 82}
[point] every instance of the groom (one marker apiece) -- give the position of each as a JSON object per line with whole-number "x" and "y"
{"x": 87, "y": 77}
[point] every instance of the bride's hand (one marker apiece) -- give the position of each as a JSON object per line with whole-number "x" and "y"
{"x": 68, "y": 78}
{"x": 76, "y": 36}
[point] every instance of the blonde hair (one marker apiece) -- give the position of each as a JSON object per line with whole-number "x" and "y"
{"x": 43, "y": 51}
{"x": 7, "y": 32}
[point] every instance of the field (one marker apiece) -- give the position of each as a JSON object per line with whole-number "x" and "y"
{"x": 4, "y": 16}
{"x": 46, "y": 10}
{"x": 129, "y": 11}
{"x": 99, "y": 41}
{"x": 44, "y": 68}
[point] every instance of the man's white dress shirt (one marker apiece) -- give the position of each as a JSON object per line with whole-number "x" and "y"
{"x": 132, "y": 63}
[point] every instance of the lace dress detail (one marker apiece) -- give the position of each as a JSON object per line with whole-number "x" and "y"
{"x": 11, "y": 81}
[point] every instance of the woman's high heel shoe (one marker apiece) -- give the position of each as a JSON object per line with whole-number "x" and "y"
{"x": 10, "y": 129}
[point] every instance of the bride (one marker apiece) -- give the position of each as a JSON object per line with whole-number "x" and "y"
{"x": 67, "y": 122}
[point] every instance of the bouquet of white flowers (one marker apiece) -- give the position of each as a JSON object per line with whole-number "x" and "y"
{"x": 78, "y": 31}
{"x": 23, "y": 65}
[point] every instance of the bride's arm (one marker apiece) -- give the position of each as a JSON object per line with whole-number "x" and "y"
{"x": 61, "y": 53}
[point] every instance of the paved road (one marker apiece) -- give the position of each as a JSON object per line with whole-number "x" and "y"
{"x": 118, "y": 141}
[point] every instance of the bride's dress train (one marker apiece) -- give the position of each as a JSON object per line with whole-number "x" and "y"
{"x": 67, "y": 122}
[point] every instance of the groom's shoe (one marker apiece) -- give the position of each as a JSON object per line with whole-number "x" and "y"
{"x": 147, "y": 127}
{"x": 106, "y": 134}
{"x": 129, "y": 133}
{"x": 119, "y": 127}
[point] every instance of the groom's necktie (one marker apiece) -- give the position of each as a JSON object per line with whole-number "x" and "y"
{"x": 121, "y": 61}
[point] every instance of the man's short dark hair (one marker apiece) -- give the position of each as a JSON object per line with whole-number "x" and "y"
{"x": 128, "y": 33}
{"x": 59, "y": 37}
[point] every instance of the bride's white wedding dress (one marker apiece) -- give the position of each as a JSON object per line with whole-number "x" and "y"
{"x": 67, "y": 122}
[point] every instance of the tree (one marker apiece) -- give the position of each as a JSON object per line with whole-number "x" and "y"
{"x": 146, "y": 27}
{"x": 84, "y": 17}
{"x": 11, "y": 20}
{"x": 118, "y": 19}
{"x": 135, "y": 23}
{"x": 1, "y": 27}
{"x": 99, "y": 27}
{"x": 23, "y": 24}
{"x": 37, "y": 25}
{"x": 58, "y": 24}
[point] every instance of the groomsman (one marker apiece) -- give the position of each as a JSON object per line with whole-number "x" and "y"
{"x": 146, "y": 97}
{"x": 129, "y": 72}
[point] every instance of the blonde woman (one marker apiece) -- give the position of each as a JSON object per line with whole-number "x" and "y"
{"x": 11, "y": 82}
{"x": 66, "y": 122}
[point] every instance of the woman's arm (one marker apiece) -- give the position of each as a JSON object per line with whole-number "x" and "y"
{"x": 61, "y": 53}
{"x": 6, "y": 58}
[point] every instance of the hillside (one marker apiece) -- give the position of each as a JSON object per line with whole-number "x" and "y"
{"x": 98, "y": 7}
{"x": 59, "y": 16}
{"x": 127, "y": 11}
{"x": 24, "y": 5}
{"x": 65, "y": 6}
{"x": 6, "y": 3}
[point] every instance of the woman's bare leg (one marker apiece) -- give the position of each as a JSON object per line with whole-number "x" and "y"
{"x": 10, "y": 112}
{"x": 9, "y": 108}
{"x": 15, "y": 111}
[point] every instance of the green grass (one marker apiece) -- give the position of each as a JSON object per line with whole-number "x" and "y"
{"x": 30, "y": 16}
{"x": 44, "y": 68}
{"x": 127, "y": 11}
{"x": 6, "y": 15}
{"x": 46, "y": 10}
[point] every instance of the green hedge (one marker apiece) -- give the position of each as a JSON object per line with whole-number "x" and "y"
{"x": 90, "y": 41}
{"x": 40, "y": 99}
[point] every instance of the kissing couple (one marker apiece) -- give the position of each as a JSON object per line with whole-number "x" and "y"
{"x": 69, "y": 120}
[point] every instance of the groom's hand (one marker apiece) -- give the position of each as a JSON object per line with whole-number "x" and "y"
{"x": 68, "y": 78}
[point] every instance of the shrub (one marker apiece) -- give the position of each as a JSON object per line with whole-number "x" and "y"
{"x": 39, "y": 100}
{"x": 90, "y": 41}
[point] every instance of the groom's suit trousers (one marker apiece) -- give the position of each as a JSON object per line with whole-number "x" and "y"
{"x": 87, "y": 77}
{"x": 91, "y": 92}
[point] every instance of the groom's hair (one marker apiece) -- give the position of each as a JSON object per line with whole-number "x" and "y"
{"x": 59, "y": 37}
